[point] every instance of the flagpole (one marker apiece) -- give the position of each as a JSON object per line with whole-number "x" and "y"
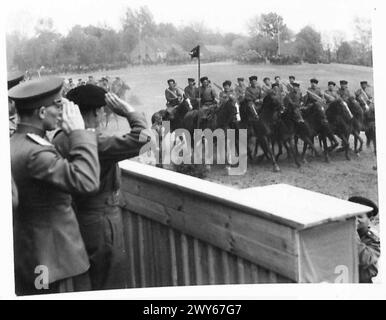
{"x": 199, "y": 77}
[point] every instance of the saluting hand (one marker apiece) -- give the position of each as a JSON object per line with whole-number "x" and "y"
{"x": 71, "y": 117}
{"x": 117, "y": 105}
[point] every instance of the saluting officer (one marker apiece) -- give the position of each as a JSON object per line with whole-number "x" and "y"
{"x": 14, "y": 78}
{"x": 294, "y": 97}
{"x": 47, "y": 238}
{"x": 99, "y": 214}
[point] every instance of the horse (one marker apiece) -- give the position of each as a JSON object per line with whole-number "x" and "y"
{"x": 316, "y": 122}
{"x": 285, "y": 130}
{"x": 221, "y": 117}
{"x": 340, "y": 119}
{"x": 357, "y": 123}
{"x": 369, "y": 127}
{"x": 261, "y": 126}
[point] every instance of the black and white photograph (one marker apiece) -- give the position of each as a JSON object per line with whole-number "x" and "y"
{"x": 191, "y": 143}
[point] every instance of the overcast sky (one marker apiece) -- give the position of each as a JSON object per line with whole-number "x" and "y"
{"x": 224, "y": 16}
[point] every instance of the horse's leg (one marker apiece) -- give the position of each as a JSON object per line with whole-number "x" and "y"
{"x": 357, "y": 138}
{"x": 325, "y": 148}
{"x": 291, "y": 151}
{"x": 280, "y": 151}
{"x": 268, "y": 150}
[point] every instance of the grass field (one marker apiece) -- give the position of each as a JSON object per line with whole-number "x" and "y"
{"x": 339, "y": 178}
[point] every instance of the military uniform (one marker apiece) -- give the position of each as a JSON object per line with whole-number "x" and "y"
{"x": 191, "y": 92}
{"x": 345, "y": 94}
{"x": 46, "y": 232}
{"x": 369, "y": 252}
{"x": 14, "y": 78}
{"x": 265, "y": 90}
{"x": 224, "y": 96}
{"x": 364, "y": 96}
{"x": 331, "y": 96}
{"x": 99, "y": 214}
{"x": 253, "y": 95}
{"x": 173, "y": 97}
{"x": 310, "y": 99}
{"x": 240, "y": 92}
{"x": 293, "y": 98}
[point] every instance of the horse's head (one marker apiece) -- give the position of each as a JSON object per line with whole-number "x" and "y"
{"x": 318, "y": 110}
{"x": 293, "y": 112}
{"x": 272, "y": 107}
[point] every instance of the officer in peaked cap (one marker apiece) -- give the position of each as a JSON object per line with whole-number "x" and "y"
{"x": 99, "y": 214}
{"x": 47, "y": 239}
{"x": 14, "y": 78}
{"x": 240, "y": 89}
{"x": 191, "y": 92}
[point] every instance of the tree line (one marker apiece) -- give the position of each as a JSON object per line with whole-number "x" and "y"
{"x": 99, "y": 47}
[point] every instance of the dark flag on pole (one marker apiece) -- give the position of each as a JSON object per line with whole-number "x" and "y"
{"x": 195, "y": 53}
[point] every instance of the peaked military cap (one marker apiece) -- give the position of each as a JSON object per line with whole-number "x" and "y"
{"x": 251, "y": 78}
{"x": 14, "y": 78}
{"x": 366, "y": 202}
{"x": 227, "y": 82}
{"x": 331, "y": 83}
{"x": 363, "y": 82}
{"x": 291, "y": 77}
{"x": 203, "y": 79}
{"x": 266, "y": 78}
{"x": 240, "y": 79}
{"x": 87, "y": 97}
{"x": 313, "y": 80}
{"x": 191, "y": 80}
{"x": 36, "y": 93}
{"x": 171, "y": 80}
{"x": 343, "y": 82}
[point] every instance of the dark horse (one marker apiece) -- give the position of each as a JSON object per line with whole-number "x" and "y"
{"x": 340, "y": 119}
{"x": 175, "y": 118}
{"x": 369, "y": 127}
{"x": 317, "y": 125}
{"x": 357, "y": 123}
{"x": 261, "y": 126}
{"x": 285, "y": 130}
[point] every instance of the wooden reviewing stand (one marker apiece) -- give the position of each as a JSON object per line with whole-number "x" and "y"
{"x": 182, "y": 230}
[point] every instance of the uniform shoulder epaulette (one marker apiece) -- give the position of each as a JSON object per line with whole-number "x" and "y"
{"x": 38, "y": 139}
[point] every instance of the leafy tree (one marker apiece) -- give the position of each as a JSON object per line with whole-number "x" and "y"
{"x": 309, "y": 44}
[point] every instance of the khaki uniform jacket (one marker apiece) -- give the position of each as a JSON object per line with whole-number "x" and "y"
{"x": 46, "y": 231}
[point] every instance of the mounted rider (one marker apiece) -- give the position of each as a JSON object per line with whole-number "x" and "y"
{"x": 191, "y": 92}
{"x": 330, "y": 94}
{"x": 208, "y": 100}
{"x": 266, "y": 87}
{"x": 240, "y": 89}
{"x": 253, "y": 94}
{"x": 173, "y": 95}
{"x": 313, "y": 95}
{"x": 294, "y": 98}
{"x": 363, "y": 95}
{"x": 227, "y": 92}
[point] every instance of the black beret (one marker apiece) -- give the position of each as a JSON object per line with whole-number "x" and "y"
{"x": 313, "y": 80}
{"x": 366, "y": 202}
{"x": 171, "y": 80}
{"x": 251, "y": 78}
{"x": 14, "y": 78}
{"x": 343, "y": 82}
{"x": 331, "y": 83}
{"x": 87, "y": 97}
{"x": 36, "y": 93}
{"x": 266, "y": 78}
{"x": 363, "y": 82}
{"x": 240, "y": 79}
{"x": 203, "y": 79}
{"x": 191, "y": 80}
{"x": 291, "y": 77}
{"x": 226, "y": 82}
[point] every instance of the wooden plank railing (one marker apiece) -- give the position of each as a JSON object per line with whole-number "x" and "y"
{"x": 182, "y": 230}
